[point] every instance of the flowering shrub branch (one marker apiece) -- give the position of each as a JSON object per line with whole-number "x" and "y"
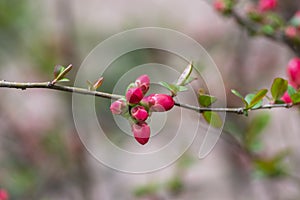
{"x": 48, "y": 85}
{"x": 284, "y": 95}
{"x": 260, "y": 19}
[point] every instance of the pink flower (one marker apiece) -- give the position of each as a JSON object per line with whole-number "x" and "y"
{"x": 134, "y": 95}
{"x": 3, "y": 194}
{"x": 160, "y": 102}
{"x": 141, "y": 132}
{"x": 293, "y": 71}
{"x": 286, "y": 98}
{"x": 143, "y": 82}
{"x": 265, "y": 5}
{"x": 219, "y": 5}
{"x": 291, "y": 31}
{"x": 139, "y": 113}
{"x": 118, "y": 107}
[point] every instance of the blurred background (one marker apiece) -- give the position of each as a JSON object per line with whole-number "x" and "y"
{"x": 41, "y": 155}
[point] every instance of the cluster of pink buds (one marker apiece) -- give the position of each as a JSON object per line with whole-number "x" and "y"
{"x": 293, "y": 30}
{"x": 293, "y": 71}
{"x": 137, "y": 107}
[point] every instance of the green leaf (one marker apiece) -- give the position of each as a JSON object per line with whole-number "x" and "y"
{"x": 213, "y": 119}
{"x": 189, "y": 80}
{"x": 291, "y": 90}
{"x": 148, "y": 189}
{"x": 173, "y": 88}
{"x": 175, "y": 184}
{"x": 60, "y": 72}
{"x": 272, "y": 167}
{"x": 182, "y": 88}
{"x": 236, "y": 93}
{"x": 267, "y": 29}
{"x": 256, "y": 100}
{"x": 279, "y": 87}
{"x": 249, "y": 98}
{"x": 296, "y": 98}
{"x": 185, "y": 75}
{"x": 58, "y": 69}
{"x": 63, "y": 80}
{"x": 206, "y": 100}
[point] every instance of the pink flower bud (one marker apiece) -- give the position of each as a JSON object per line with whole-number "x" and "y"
{"x": 143, "y": 82}
{"x": 161, "y": 102}
{"x": 286, "y": 98}
{"x": 293, "y": 71}
{"x": 118, "y": 107}
{"x": 3, "y": 194}
{"x": 265, "y": 5}
{"x": 134, "y": 95}
{"x": 219, "y": 5}
{"x": 291, "y": 31}
{"x": 141, "y": 132}
{"x": 139, "y": 113}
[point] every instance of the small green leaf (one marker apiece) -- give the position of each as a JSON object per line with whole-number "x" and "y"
{"x": 189, "y": 80}
{"x": 279, "y": 87}
{"x": 296, "y": 98}
{"x": 185, "y": 75}
{"x": 62, "y": 71}
{"x": 272, "y": 167}
{"x": 291, "y": 90}
{"x": 236, "y": 93}
{"x": 175, "y": 185}
{"x": 57, "y": 70}
{"x": 267, "y": 29}
{"x": 206, "y": 100}
{"x": 148, "y": 189}
{"x": 182, "y": 88}
{"x": 279, "y": 101}
{"x": 213, "y": 119}
{"x": 63, "y": 80}
{"x": 173, "y": 88}
{"x": 256, "y": 100}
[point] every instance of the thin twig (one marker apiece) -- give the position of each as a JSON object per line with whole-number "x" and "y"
{"x": 49, "y": 85}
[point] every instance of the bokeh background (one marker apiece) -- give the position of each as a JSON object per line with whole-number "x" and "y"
{"x": 41, "y": 155}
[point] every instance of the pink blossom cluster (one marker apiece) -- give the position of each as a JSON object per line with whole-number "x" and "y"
{"x": 137, "y": 107}
{"x": 262, "y": 6}
{"x": 293, "y": 30}
{"x": 293, "y": 71}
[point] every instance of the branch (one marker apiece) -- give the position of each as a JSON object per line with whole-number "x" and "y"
{"x": 49, "y": 85}
{"x": 278, "y": 36}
